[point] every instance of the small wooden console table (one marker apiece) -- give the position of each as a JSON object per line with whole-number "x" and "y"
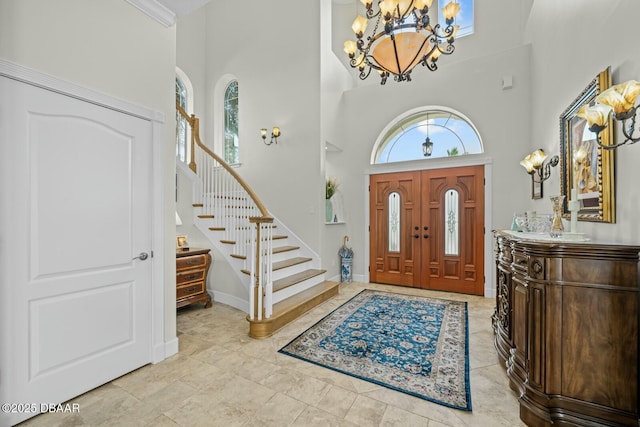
{"x": 192, "y": 267}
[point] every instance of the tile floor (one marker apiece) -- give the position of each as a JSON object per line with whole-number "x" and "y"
{"x": 221, "y": 377}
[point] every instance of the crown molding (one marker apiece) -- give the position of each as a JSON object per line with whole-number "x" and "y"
{"x": 156, "y": 11}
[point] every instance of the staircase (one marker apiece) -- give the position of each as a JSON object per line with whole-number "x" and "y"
{"x": 281, "y": 274}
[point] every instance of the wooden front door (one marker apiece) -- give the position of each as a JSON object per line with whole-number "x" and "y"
{"x": 432, "y": 236}
{"x": 395, "y": 212}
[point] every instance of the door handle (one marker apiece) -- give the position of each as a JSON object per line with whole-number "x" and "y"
{"x": 417, "y": 236}
{"x": 426, "y": 236}
{"x": 141, "y": 257}
{"x": 426, "y": 228}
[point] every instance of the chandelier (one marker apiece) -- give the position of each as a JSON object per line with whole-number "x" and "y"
{"x": 402, "y": 38}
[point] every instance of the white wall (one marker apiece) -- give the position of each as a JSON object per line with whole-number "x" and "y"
{"x": 572, "y": 43}
{"x": 472, "y": 87}
{"x": 191, "y": 58}
{"x": 335, "y": 80}
{"x": 280, "y": 84}
{"x": 111, "y": 47}
{"x": 275, "y": 56}
{"x": 470, "y": 81}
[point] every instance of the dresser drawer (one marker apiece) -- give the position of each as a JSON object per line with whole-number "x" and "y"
{"x": 188, "y": 290}
{"x": 520, "y": 261}
{"x": 189, "y": 276}
{"x": 190, "y": 262}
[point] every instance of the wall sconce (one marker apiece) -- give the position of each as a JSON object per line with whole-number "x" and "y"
{"x": 619, "y": 102}
{"x": 275, "y": 133}
{"x": 534, "y": 163}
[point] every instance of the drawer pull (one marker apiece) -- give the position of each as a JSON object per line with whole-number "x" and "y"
{"x": 192, "y": 277}
{"x": 536, "y": 266}
{"x": 193, "y": 261}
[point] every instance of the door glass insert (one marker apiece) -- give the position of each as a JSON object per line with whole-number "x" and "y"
{"x": 394, "y": 222}
{"x": 452, "y": 221}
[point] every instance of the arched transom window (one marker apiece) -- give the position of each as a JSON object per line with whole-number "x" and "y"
{"x": 427, "y": 133}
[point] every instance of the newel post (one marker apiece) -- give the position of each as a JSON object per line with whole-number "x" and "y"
{"x": 195, "y": 129}
{"x": 257, "y": 295}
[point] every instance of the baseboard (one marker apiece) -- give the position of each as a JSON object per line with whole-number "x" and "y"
{"x": 489, "y": 291}
{"x": 230, "y": 300}
{"x": 355, "y": 278}
{"x": 169, "y": 349}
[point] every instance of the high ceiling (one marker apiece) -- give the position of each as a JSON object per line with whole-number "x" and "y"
{"x": 182, "y": 7}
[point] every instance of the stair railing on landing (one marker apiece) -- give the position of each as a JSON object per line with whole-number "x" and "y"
{"x": 237, "y": 211}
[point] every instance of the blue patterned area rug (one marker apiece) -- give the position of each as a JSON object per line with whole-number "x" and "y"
{"x": 412, "y": 344}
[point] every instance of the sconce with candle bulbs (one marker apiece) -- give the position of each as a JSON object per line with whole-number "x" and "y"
{"x": 275, "y": 133}
{"x": 618, "y": 102}
{"x": 535, "y": 165}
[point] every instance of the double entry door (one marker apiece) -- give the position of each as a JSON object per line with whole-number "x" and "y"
{"x": 427, "y": 229}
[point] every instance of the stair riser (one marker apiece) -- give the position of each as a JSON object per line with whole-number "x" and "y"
{"x": 288, "y": 271}
{"x": 297, "y": 288}
{"x": 285, "y": 255}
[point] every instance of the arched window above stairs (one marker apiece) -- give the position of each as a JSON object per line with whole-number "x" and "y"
{"x": 184, "y": 98}
{"x": 231, "y": 140}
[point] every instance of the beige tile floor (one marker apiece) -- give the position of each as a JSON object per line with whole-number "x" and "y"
{"x": 221, "y": 377}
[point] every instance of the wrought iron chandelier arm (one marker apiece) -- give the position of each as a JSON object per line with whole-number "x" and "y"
{"x": 364, "y": 73}
{"x": 371, "y": 13}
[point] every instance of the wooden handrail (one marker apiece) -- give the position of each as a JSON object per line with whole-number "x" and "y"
{"x": 195, "y": 128}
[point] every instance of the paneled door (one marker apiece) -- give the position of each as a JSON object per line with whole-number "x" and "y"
{"x": 394, "y": 228}
{"x": 453, "y": 245}
{"x": 427, "y": 229}
{"x": 76, "y": 246}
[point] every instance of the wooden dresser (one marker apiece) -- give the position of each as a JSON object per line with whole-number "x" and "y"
{"x": 192, "y": 267}
{"x": 566, "y": 326}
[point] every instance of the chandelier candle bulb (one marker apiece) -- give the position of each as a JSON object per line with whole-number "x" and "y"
{"x": 359, "y": 26}
{"x": 450, "y": 11}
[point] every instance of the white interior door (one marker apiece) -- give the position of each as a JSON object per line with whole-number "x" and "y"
{"x": 75, "y": 194}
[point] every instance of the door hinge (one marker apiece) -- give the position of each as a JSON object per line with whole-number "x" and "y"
{"x": 151, "y": 254}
